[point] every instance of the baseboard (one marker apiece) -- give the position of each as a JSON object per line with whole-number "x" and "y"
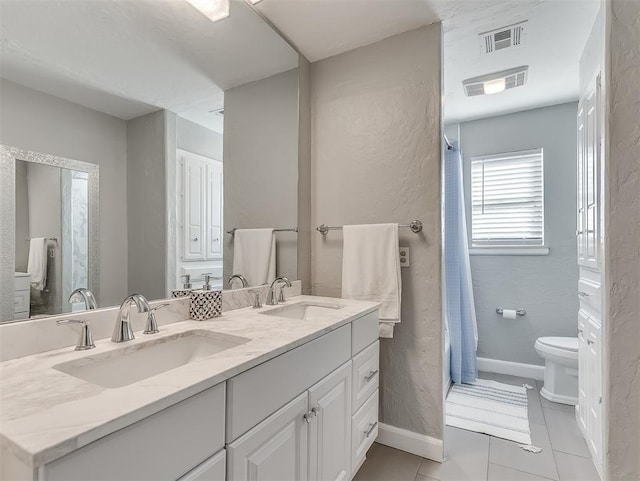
{"x": 414, "y": 443}
{"x": 511, "y": 368}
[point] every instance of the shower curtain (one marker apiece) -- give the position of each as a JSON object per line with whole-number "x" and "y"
{"x": 460, "y": 315}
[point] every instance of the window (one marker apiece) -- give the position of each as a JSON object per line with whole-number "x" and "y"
{"x": 507, "y": 197}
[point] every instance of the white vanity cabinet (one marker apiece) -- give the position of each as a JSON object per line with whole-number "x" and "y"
{"x": 308, "y": 414}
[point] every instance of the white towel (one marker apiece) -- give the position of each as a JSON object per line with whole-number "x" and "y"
{"x": 371, "y": 267}
{"x": 254, "y": 255}
{"x": 37, "y": 263}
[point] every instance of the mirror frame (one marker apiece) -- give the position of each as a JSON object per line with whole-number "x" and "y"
{"x": 8, "y": 157}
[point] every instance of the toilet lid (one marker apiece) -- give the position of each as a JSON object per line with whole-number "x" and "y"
{"x": 566, "y": 343}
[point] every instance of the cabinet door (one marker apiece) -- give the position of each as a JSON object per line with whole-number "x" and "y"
{"x": 594, "y": 386}
{"x": 213, "y": 469}
{"x": 583, "y": 374}
{"x": 194, "y": 174}
{"x": 330, "y": 429}
{"x": 274, "y": 450}
{"x": 214, "y": 210}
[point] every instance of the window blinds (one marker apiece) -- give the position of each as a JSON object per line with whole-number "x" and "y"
{"x": 507, "y": 197}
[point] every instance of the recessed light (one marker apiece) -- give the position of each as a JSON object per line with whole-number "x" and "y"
{"x": 214, "y": 9}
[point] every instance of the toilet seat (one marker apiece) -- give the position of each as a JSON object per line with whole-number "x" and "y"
{"x": 564, "y": 347}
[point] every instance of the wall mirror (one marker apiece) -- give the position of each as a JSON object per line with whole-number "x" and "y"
{"x": 142, "y": 153}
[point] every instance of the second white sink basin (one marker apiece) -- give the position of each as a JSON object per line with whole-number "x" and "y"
{"x": 134, "y": 363}
{"x": 304, "y": 311}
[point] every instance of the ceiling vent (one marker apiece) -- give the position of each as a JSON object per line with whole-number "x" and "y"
{"x": 505, "y": 37}
{"x": 496, "y": 82}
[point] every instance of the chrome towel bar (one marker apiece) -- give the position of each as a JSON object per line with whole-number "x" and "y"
{"x": 519, "y": 312}
{"x": 295, "y": 229}
{"x": 414, "y": 225}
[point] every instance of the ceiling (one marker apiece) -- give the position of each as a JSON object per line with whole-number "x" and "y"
{"x": 129, "y": 58}
{"x": 556, "y": 33}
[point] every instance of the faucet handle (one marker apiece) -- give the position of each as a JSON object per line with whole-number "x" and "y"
{"x": 281, "y": 297}
{"x": 85, "y": 341}
{"x": 256, "y": 299}
{"x": 151, "y": 327}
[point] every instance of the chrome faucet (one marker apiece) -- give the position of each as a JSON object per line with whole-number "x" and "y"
{"x": 85, "y": 341}
{"x": 238, "y": 276}
{"x": 272, "y": 298}
{"x": 123, "y": 331}
{"x": 86, "y": 295}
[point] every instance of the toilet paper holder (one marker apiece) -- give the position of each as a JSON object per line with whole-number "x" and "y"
{"x": 519, "y": 312}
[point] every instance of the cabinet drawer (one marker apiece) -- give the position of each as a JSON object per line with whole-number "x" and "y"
{"x": 366, "y": 376}
{"x": 364, "y": 430}
{"x": 364, "y": 331}
{"x": 589, "y": 294}
{"x": 258, "y": 392}
{"x": 21, "y": 301}
{"x": 213, "y": 469}
{"x": 164, "y": 446}
{"x": 23, "y": 283}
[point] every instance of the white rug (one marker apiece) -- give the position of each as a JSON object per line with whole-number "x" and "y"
{"x": 490, "y": 407}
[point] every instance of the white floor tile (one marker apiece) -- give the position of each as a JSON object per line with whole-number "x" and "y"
{"x": 502, "y": 473}
{"x": 467, "y": 455}
{"x": 564, "y": 433}
{"x": 575, "y": 468}
{"x": 508, "y": 453}
{"x": 387, "y": 464}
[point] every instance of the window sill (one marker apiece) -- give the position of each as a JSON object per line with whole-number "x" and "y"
{"x": 509, "y": 251}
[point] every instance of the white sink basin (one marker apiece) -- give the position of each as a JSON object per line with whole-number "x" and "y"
{"x": 136, "y": 362}
{"x": 304, "y": 311}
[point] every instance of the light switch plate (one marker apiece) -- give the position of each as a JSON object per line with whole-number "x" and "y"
{"x": 404, "y": 257}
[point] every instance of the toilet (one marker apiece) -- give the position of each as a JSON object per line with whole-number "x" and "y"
{"x": 560, "y": 356}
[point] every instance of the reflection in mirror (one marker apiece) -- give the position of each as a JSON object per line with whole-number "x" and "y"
{"x": 53, "y": 202}
{"x": 193, "y": 122}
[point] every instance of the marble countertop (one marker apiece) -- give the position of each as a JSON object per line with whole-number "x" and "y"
{"x": 45, "y": 413}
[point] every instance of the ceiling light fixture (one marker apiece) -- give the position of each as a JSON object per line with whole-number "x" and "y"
{"x": 496, "y": 82}
{"x": 213, "y": 9}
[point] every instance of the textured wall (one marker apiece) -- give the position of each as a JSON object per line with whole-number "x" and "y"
{"x": 261, "y": 164}
{"x": 36, "y": 121}
{"x": 622, "y": 243}
{"x": 544, "y": 285}
{"x": 376, "y": 158}
{"x": 146, "y": 204}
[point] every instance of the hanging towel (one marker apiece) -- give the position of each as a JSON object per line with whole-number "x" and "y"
{"x": 254, "y": 255}
{"x": 371, "y": 269}
{"x": 37, "y": 263}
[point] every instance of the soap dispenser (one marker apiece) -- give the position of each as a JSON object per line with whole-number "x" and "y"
{"x": 205, "y": 303}
{"x": 186, "y": 287}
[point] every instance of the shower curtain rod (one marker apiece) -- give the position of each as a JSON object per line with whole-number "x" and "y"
{"x": 446, "y": 141}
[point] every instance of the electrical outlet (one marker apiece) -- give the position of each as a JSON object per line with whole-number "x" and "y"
{"x": 404, "y": 257}
{"x": 52, "y": 252}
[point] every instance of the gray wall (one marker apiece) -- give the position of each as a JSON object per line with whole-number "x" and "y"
{"x": 146, "y": 197}
{"x": 261, "y": 164}
{"x": 376, "y": 153}
{"x": 36, "y": 121}
{"x": 622, "y": 256}
{"x": 198, "y": 139}
{"x": 543, "y": 285}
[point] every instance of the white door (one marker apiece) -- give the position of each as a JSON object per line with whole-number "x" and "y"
{"x": 330, "y": 429}
{"x": 274, "y": 450}
{"x": 214, "y": 210}
{"x": 583, "y": 373}
{"x": 580, "y": 221}
{"x": 194, "y": 175}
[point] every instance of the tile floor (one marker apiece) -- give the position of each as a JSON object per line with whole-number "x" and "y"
{"x": 478, "y": 457}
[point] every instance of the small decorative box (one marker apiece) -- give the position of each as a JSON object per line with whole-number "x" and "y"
{"x": 205, "y": 304}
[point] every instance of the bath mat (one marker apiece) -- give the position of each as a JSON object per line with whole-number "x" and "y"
{"x": 490, "y": 407}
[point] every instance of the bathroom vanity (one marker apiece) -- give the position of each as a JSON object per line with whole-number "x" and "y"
{"x": 287, "y": 393}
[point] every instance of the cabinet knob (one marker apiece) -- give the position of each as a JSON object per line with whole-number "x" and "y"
{"x": 589, "y": 342}
{"x": 583, "y": 294}
{"x": 308, "y": 417}
{"x": 315, "y": 411}
{"x": 195, "y": 239}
